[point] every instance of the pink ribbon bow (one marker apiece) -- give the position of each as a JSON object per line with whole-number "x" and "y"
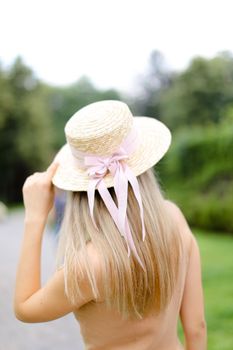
{"x": 97, "y": 167}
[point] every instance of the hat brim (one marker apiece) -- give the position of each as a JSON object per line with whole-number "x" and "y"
{"x": 155, "y": 139}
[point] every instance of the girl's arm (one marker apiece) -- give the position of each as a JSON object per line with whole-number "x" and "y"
{"x": 192, "y": 313}
{"x": 192, "y": 307}
{"x": 33, "y": 303}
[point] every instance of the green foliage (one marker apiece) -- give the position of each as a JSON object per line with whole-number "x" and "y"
{"x": 197, "y": 105}
{"x": 25, "y": 129}
{"x": 200, "y": 94}
{"x": 217, "y": 266}
{"x": 198, "y": 174}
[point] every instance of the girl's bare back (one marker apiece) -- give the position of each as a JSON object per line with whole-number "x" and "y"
{"x": 105, "y": 330}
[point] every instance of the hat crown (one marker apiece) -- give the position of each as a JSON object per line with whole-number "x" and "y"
{"x": 100, "y": 127}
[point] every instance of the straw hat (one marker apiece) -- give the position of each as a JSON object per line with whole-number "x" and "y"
{"x": 99, "y": 129}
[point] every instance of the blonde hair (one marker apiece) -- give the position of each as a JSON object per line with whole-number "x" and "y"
{"x": 125, "y": 286}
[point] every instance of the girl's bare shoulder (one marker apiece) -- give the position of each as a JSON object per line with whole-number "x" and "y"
{"x": 180, "y": 222}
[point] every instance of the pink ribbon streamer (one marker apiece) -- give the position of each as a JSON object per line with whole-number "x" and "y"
{"x": 98, "y": 167}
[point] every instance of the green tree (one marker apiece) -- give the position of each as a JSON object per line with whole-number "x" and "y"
{"x": 156, "y": 79}
{"x": 25, "y": 129}
{"x": 200, "y": 94}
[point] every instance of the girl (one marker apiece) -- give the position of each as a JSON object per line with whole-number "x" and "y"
{"x": 128, "y": 264}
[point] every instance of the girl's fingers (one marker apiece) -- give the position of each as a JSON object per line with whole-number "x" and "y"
{"x": 52, "y": 169}
{"x": 47, "y": 175}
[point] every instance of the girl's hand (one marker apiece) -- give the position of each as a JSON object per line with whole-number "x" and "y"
{"x": 38, "y": 194}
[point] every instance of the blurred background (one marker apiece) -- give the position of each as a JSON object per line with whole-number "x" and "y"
{"x": 165, "y": 59}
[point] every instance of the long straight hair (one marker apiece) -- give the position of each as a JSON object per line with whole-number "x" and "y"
{"x": 124, "y": 286}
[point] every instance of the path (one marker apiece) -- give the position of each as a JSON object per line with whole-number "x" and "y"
{"x": 62, "y": 334}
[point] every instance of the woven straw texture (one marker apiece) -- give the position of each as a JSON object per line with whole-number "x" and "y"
{"x": 100, "y": 129}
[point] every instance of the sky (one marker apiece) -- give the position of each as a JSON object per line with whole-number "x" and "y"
{"x": 111, "y": 41}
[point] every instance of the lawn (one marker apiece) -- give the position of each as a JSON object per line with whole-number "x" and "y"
{"x": 217, "y": 269}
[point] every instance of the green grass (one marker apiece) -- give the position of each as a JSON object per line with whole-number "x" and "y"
{"x": 217, "y": 271}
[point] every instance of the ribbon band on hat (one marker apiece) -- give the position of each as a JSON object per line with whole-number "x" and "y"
{"x": 97, "y": 167}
